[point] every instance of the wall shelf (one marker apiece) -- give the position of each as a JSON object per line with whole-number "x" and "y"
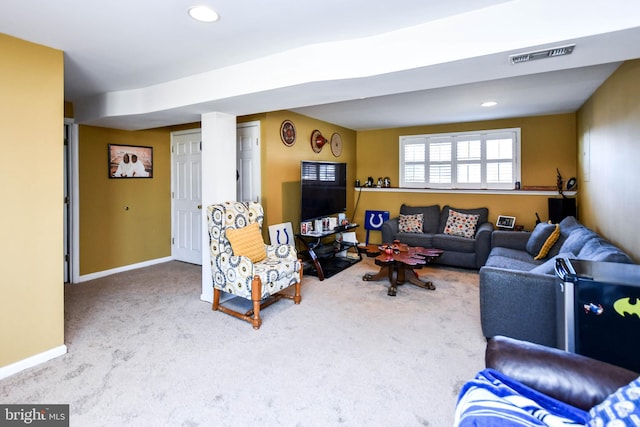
{"x": 465, "y": 191}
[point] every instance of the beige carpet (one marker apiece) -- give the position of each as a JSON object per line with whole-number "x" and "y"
{"x": 144, "y": 350}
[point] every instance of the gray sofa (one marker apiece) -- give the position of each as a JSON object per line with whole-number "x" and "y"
{"x": 518, "y": 292}
{"x": 458, "y": 251}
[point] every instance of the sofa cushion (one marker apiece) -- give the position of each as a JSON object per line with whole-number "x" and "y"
{"x": 483, "y": 215}
{"x": 410, "y": 223}
{"x": 508, "y": 263}
{"x": 448, "y": 242}
{"x": 549, "y": 265}
{"x": 430, "y": 216}
{"x": 512, "y": 259}
{"x": 461, "y": 224}
{"x": 423, "y": 240}
{"x": 539, "y": 237}
{"x": 577, "y": 239}
{"x": 567, "y": 225}
{"x": 600, "y": 250}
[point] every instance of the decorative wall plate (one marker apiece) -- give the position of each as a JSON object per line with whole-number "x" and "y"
{"x": 288, "y": 133}
{"x": 317, "y": 141}
{"x": 336, "y": 144}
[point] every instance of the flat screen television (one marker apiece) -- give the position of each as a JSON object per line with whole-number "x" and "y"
{"x": 323, "y": 189}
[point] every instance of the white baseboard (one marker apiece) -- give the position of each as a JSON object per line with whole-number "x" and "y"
{"x": 105, "y": 273}
{"x": 32, "y": 361}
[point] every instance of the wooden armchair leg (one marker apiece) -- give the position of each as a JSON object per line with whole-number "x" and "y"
{"x": 256, "y": 296}
{"x": 216, "y": 299}
{"x": 298, "y": 295}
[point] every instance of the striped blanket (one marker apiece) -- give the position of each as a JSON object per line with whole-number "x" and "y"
{"x": 493, "y": 399}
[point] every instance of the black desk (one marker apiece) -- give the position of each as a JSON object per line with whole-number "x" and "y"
{"x": 322, "y": 256}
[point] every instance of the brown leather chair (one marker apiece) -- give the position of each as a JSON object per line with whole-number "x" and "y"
{"x": 571, "y": 378}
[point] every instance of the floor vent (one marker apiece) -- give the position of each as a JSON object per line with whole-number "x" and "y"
{"x": 541, "y": 54}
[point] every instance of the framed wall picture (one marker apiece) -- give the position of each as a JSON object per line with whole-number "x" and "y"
{"x": 130, "y": 161}
{"x": 506, "y": 221}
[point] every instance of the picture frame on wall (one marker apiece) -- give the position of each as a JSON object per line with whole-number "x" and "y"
{"x": 130, "y": 161}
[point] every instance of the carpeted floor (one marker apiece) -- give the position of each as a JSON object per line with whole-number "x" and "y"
{"x": 144, "y": 350}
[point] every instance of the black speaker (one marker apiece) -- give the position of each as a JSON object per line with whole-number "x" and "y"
{"x": 561, "y": 207}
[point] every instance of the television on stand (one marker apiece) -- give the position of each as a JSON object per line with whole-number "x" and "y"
{"x": 323, "y": 193}
{"x": 323, "y": 189}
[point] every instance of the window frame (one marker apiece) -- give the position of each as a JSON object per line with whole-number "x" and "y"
{"x": 424, "y": 163}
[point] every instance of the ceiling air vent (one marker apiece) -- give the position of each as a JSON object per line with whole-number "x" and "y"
{"x": 541, "y": 54}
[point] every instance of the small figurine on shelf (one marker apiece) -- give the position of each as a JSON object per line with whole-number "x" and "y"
{"x": 559, "y": 182}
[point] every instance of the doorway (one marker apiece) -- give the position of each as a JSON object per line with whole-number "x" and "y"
{"x": 71, "y": 240}
{"x": 186, "y": 196}
{"x": 66, "y": 212}
{"x": 186, "y": 185}
{"x": 248, "y": 180}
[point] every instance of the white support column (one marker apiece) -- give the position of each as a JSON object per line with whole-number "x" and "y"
{"x": 218, "y": 178}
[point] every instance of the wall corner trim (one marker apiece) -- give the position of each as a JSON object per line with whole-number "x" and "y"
{"x": 32, "y": 361}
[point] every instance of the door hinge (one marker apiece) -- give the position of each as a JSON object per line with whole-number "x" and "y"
{"x": 173, "y": 242}
{"x": 66, "y": 257}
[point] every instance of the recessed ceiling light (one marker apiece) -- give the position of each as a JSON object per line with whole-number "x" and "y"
{"x": 489, "y": 104}
{"x": 203, "y": 14}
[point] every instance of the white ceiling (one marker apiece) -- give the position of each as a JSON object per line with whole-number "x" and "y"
{"x": 357, "y": 63}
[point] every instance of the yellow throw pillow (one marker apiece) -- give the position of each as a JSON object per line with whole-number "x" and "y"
{"x": 248, "y": 242}
{"x": 544, "y": 250}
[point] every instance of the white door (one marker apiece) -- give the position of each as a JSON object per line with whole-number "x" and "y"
{"x": 186, "y": 149}
{"x": 67, "y": 205}
{"x": 248, "y": 162}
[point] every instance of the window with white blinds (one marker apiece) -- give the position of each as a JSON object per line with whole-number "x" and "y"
{"x": 319, "y": 172}
{"x": 466, "y": 160}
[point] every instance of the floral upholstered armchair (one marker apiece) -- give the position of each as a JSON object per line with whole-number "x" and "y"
{"x": 241, "y": 263}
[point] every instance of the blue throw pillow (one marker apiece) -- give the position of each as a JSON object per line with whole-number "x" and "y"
{"x": 538, "y": 237}
{"x": 621, "y": 408}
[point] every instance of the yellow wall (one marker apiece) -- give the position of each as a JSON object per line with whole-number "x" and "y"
{"x": 68, "y": 109}
{"x": 110, "y": 235}
{"x": 281, "y": 164}
{"x": 548, "y": 142}
{"x": 31, "y": 114}
{"x": 608, "y": 130}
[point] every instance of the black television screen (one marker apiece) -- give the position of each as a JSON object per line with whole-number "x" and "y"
{"x": 323, "y": 189}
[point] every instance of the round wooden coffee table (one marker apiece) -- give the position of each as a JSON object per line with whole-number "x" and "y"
{"x": 398, "y": 263}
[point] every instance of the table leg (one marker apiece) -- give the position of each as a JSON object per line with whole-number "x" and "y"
{"x": 413, "y": 278}
{"x": 395, "y": 282}
{"x": 308, "y": 249}
{"x": 392, "y": 289}
{"x": 385, "y": 271}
